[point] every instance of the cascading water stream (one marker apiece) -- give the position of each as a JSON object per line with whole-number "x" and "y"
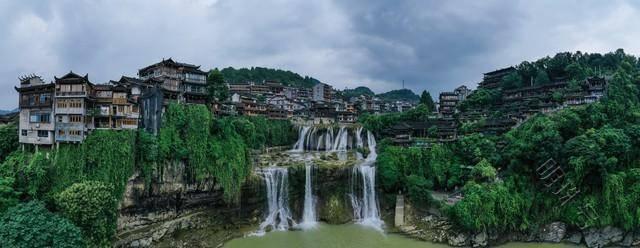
{"x": 359, "y": 143}
{"x": 363, "y": 192}
{"x": 277, "y": 187}
{"x": 328, "y": 142}
{"x": 299, "y": 145}
{"x": 309, "y": 219}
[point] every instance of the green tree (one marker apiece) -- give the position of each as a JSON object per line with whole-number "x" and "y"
{"x": 31, "y": 225}
{"x": 542, "y": 78}
{"x": 427, "y": 100}
{"x": 511, "y": 81}
{"x": 576, "y": 71}
{"x": 91, "y": 206}
{"x": 216, "y": 87}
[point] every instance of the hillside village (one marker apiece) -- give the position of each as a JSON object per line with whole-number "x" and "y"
{"x": 71, "y": 106}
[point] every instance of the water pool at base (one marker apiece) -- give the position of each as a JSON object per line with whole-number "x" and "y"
{"x": 351, "y": 236}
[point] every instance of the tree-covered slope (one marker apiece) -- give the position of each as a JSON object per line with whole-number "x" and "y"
{"x": 260, "y": 74}
{"x": 361, "y": 90}
{"x": 400, "y": 95}
{"x": 595, "y": 146}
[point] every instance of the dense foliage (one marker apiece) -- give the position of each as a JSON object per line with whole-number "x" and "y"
{"x": 32, "y": 225}
{"x": 358, "y": 91}
{"x": 216, "y": 87}
{"x": 597, "y": 146}
{"x": 260, "y": 74}
{"x": 93, "y": 208}
{"x": 217, "y": 148}
{"x": 427, "y": 100}
{"x": 378, "y": 123}
{"x": 399, "y": 95}
{"x": 84, "y": 182}
{"x": 8, "y": 139}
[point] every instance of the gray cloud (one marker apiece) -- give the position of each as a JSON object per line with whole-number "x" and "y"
{"x": 432, "y": 45}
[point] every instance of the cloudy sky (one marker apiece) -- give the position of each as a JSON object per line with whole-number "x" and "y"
{"x": 432, "y": 45}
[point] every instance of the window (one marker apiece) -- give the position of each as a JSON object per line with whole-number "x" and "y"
{"x": 34, "y": 117}
{"x": 75, "y": 118}
{"x": 43, "y": 133}
{"x": 23, "y": 132}
{"x": 32, "y": 100}
{"x": 75, "y": 103}
{"x": 61, "y": 132}
{"x": 59, "y": 118}
{"x": 45, "y": 117}
{"x": 39, "y": 117}
{"x": 45, "y": 98}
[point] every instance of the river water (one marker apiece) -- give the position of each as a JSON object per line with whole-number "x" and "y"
{"x": 351, "y": 236}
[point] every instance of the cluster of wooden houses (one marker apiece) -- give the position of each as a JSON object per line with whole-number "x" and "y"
{"x": 321, "y": 103}
{"x": 71, "y": 106}
{"x": 514, "y": 105}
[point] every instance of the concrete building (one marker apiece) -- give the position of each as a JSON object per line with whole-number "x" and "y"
{"x": 36, "y": 111}
{"x": 73, "y": 104}
{"x": 322, "y": 93}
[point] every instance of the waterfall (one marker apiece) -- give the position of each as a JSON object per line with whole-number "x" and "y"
{"x": 316, "y": 138}
{"x": 340, "y": 143}
{"x": 344, "y": 136}
{"x": 371, "y": 142}
{"x": 359, "y": 143}
{"x": 277, "y": 186}
{"x": 363, "y": 190}
{"x": 309, "y": 219}
{"x": 299, "y": 145}
{"x": 328, "y": 139}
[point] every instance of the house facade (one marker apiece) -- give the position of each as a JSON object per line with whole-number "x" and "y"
{"x": 73, "y": 108}
{"x": 36, "y": 111}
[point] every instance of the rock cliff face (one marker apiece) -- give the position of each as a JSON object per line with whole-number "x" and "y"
{"x": 171, "y": 212}
{"x": 330, "y": 187}
{"x": 169, "y": 204}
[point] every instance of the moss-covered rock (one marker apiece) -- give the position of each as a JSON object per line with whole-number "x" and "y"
{"x": 335, "y": 210}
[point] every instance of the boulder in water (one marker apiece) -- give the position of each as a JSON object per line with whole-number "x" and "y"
{"x": 553, "y": 232}
{"x": 595, "y": 237}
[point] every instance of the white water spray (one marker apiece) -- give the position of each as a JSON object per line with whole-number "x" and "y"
{"x": 277, "y": 187}
{"x": 363, "y": 192}
{"x": 299, "y": 145}
{"x": 309, "y": 219}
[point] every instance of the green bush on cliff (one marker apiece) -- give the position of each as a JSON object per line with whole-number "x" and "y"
{"x": 215, "y": 148}
{"x": 92, "y": 207}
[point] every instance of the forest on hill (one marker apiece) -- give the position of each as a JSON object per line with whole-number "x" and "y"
{"x": 260, "y": 74}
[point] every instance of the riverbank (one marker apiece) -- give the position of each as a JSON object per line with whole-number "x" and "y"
{"x": 433, "y": 228}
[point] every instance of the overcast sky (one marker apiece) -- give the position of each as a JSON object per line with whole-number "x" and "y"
{"x": 432, "y": 45}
